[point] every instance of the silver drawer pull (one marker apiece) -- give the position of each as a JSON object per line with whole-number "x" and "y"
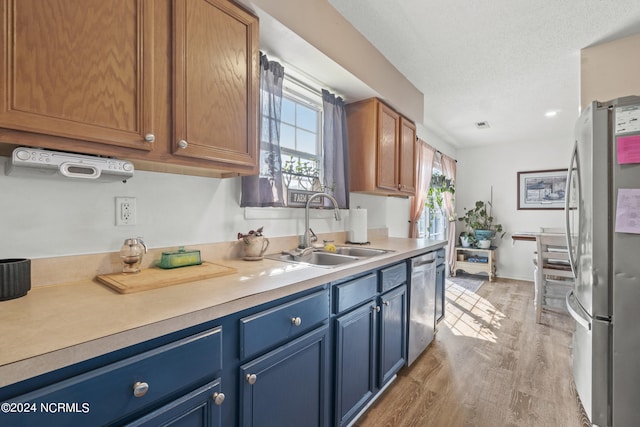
{"x": 183, "y": 144}
{"x": 296, "y": 321}
{"x": 140, "y": 389}
{"x": 251, "y": 378}
{"x": 150, "y": 137}
{"x": 376, "y": 309}
{"x": 218, "y": 398}
{"x": 386, "y": 303}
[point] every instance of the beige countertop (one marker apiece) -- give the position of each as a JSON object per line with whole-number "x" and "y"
{"x": 61, "y": 324}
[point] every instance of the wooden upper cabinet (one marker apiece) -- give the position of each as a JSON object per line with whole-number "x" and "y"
{"x": 388, "y": 131}
{"x": 79, "y": 70}
{"x": 407, "y": 157}
{"x": 216, "y": 82}
{"x": 171, "y": 85}
{"x": 381, "y": 149}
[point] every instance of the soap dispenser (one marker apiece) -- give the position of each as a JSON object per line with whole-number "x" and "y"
{"x": 131, "y": 254}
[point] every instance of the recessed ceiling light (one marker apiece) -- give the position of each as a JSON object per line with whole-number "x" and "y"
{"x": 551, "y": 113}
{"x": 482, "y": 125}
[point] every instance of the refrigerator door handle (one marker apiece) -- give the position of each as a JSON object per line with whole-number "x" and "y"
{"x": 576, "y": 312}
{"x": 573, "y": 168}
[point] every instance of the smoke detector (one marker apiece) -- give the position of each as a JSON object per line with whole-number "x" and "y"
{"x": 482, "y": 125}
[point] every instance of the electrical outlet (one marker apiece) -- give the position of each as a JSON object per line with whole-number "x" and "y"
{"x": 125, "y": 211}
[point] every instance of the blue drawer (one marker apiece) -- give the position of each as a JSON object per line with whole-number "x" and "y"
{"x": 393, "y": 276}
{"x": 269, "y": 328}
{"x": 355, "y": 292}
{"x": 107, "y": 394}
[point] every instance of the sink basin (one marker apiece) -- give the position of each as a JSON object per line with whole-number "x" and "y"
{"x": 359, "y": 252}
{"x": 320, "y": 258}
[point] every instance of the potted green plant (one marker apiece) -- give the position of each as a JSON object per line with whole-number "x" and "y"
{"x": 439, "y": 185}
{"x": 480, "y": 220}
{"x": 467, "y": 240}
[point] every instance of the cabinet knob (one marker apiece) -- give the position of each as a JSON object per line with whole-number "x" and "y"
{"x": 376, "y": 309}
{"x": 296, "y": 321}
{"x": 218, "y": 398}
{"x": 140, "y": 389}
{"x": 251, "y": 378}
{"x": 183, "y": 144}
{"x": 150, "y": 137}
{"x": 386, "y": 303}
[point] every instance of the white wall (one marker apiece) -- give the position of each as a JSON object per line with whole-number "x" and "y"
{"x": 42, "y": 217}
{"x": 498, "y": 165}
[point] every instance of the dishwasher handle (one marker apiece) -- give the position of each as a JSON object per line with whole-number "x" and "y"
{"x": 421, "y": 263}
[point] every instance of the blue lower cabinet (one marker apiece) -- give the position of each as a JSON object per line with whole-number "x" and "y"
{"x": 289, "y": 385}
{"x": 355, "y": 360}
{"x": 393, "y": 333}
{"x": 200, "y": 408}
{"x": 121, "y": 391}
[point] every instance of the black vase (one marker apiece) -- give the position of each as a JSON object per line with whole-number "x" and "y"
{"x": 15, "y": 278}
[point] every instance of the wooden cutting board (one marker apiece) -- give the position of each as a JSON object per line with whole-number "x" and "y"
{"x": 154, "y": 278}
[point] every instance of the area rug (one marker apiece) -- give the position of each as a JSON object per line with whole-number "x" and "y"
{"x": 470, "y": 282}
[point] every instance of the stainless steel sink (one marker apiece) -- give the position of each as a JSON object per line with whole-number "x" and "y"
{"x": 359, "y": 252}
{"x": 321, "y": 258}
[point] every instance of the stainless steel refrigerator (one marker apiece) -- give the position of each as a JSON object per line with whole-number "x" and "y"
{"x": 603, "y": 226}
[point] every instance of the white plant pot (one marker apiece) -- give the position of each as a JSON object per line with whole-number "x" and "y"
{"x": 465, "y": 242}
{"x": 484, "y": 244}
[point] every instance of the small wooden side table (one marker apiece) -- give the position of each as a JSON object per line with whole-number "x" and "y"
{"x": 488, "y": 267}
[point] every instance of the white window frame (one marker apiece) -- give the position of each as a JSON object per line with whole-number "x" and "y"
{"x": 438, "y": 229}
{"x": 299, "y": 93}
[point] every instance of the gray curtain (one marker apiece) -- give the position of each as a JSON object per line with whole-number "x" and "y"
{"x": 265, "y": 189}
{"x": 336, "y": 151}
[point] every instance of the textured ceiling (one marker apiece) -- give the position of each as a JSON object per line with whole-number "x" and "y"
{"x": 506, "y": 62}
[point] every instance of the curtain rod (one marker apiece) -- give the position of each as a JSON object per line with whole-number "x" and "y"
{"x": 441, "y": 153}
{"x": 317, "y": 89}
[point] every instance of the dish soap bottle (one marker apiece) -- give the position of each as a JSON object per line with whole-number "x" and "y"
{"x": 131, "y": 254}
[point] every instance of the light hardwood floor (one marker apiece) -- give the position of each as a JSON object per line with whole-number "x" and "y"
{"x": 490, "y": 365}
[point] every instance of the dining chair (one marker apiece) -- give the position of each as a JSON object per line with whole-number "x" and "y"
{"x": 554, "y": 278}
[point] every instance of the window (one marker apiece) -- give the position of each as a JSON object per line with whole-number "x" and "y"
{"x": 433, "y": 222}
{"x": 293, "y": 149}
{"x": 301, "y": 137}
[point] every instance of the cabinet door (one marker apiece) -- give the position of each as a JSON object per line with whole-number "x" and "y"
{"x": 200, "y": 408}
{"x": 288, "y": 386}
{"x": 355, "y": 361}
{"x": 440, "y": 293}
{"x": 388, "y": 132}
{"x": 393, "y": 333}
{"x": 216, "y": 82}
{"x": 81, "y": 72}
{"x": 407, "y": 165}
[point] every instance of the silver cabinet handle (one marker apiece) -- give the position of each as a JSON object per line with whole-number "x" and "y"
{"x": 140, "y": 389}
{"x": 386, "y": 303}
{"x": 251, "y": 378}
{"x": 218, "y": 398}
{"x": 150, "y": 137}
{"x": 183, "y": 144}
{"x": 376, "y": 309}
{"x": 296, "y": 321}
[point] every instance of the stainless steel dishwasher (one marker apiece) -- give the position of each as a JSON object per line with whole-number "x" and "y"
{"x": 422, "y": 303}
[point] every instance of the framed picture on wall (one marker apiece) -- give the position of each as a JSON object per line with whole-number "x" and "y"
{"x": 542, "y": 189}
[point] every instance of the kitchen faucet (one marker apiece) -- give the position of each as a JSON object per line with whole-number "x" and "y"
{"x": 305, "y": 237}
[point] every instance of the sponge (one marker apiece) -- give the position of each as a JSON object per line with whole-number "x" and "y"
{"x": 330, "y": 247}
